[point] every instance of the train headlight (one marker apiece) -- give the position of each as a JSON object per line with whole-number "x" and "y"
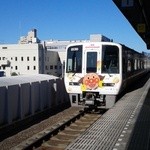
{"x": 108, "y": 84}
{"x": 73, "y": 83}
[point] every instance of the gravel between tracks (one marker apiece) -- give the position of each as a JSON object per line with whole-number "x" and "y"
{"x": 13, "y": 141}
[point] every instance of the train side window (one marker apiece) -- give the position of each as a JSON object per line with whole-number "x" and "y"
{"x": 142, "y": 64}
{"x": 132, "y": 64}
{"x": 138, "y": 64}
{"x": 124, "y": 65}
{"x": 129, "y": 66}
{"x": 110, "y": 59}
{"x": 135, "y": 64}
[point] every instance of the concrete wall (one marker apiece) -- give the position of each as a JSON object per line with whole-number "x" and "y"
{"x": 13, "y": 103}
{"x": 20, "y": 101}
{"x": 3, "y": 105}
{"x": 25, "y": 94}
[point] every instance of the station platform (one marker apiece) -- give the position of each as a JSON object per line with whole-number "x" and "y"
{"x": 126, "y": 126}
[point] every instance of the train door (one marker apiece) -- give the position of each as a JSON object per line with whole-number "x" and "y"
{"x": 90, "y": 79}
{"x": 91, "y": 59}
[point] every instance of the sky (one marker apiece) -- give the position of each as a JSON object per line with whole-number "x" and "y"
{"x": 66, "y": 20}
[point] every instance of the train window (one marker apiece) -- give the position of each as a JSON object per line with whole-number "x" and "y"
{"x": 74, "y": 59}
{"x": 124, "y": 68}
{"x": 145, "y": 64}
{"x": 129, "y": 65}
{"x": 110, "y": 59}
{"x": 142, "y": 64}
{"x": 91, "y": 64}
{"x": 138, "y": 64}
{"x": 135, "y": 64}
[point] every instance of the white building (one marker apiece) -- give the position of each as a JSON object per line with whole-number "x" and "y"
{"x": 21, "y": 59}
{"x": 30, "y": 38}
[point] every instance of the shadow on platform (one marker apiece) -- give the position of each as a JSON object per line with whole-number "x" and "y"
{"x": 140, "y": 139}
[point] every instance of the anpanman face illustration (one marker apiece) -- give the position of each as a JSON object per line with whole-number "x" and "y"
{"x": 91, "y": 81}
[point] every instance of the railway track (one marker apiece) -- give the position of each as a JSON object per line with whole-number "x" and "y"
{"x": 59, "y": 136}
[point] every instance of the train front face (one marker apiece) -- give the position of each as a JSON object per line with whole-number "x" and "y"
{"x": 93, "y": 73}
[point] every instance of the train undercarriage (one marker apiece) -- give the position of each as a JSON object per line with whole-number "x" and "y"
{"x": 93, "y": 100}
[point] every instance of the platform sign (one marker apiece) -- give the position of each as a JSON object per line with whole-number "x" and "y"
{"x": 127, "y": 3}
{"x": 141, "y": 28}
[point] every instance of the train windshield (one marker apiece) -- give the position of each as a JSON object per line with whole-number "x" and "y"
{"x": 74, "y": 59}
{"x": 110, "y": 59}
{"x": 91, "y": 62}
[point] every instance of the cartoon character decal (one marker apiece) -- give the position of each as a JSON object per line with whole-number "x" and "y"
{"x": 91, "y": 81}
{"x": 115, "y": 80}
{"x": 99, "y": 65}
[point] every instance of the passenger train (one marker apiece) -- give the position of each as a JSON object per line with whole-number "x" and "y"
{"x": 96, "y": 72}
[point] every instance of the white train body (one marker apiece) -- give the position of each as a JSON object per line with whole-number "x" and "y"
{"x": 96, "y": 72}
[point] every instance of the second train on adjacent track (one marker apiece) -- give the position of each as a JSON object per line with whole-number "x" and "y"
{"x": 96, "y": 72}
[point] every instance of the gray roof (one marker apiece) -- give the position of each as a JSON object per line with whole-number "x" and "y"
{"x": 17, "y": 80}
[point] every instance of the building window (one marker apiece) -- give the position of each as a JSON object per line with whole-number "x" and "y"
{"x": 28, "y": 67}
{"x": 27, "y": 58}
{"x": 21, "y": 58}
{"x": 46, "y": 67}
{"x": 51, "y": 67}
{"x": 34, "y": 67}
{"x": 4, "y": 47}
{"x": 52, "y": 47}
{"x": 55, "y": 67}
{"x": 34, "y": 58}
{"x": 16, "y": 67}
{"x": 15, "y": 58}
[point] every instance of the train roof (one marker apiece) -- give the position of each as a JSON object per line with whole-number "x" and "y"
{"x": 106, "y": 42}
{"x": 90, "y": 42}
{"x": 132, "y": 50}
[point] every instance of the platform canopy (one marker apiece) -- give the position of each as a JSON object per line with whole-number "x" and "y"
{"x": 137, "y": 13}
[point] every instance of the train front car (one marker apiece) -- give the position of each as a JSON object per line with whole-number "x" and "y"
{"x": 93, "y": 74}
